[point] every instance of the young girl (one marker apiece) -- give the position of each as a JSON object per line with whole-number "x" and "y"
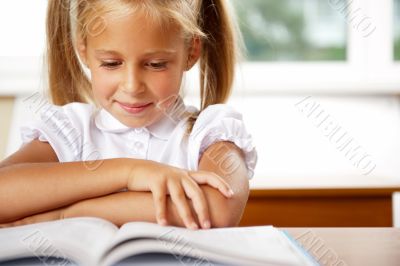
{"x": 119, "y": 143}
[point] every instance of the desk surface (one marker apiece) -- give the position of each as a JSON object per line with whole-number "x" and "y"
{"x": 350, "y": 246}
{"x": 322, "y": 207}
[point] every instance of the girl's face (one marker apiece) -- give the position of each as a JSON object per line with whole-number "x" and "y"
{"x": 136, "y": 68}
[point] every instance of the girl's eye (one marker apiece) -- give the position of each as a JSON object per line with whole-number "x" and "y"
{"x": 111, "y": 64}
{"x": 158, "y": 65}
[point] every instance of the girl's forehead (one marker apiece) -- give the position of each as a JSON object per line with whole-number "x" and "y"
{"x": 138, "y": 19}
{"x": 136, "y": 30}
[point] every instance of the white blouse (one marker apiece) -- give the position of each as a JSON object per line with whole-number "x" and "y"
{"x": 81, "y": 132}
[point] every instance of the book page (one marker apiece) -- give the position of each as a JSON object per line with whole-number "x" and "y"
{"x": 78, "y": 239}
{"x": 258, "y": 244}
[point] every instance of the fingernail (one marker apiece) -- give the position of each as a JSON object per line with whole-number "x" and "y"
{"x": 163, "y": 222}
{"x": 231, "y": 192}
{"x": 206, "y": 224}
{"x": 194, "y": 226}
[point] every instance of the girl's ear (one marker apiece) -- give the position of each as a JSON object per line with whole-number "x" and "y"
{"x": 81, "y": 48}
{"x": 194, "y": 52}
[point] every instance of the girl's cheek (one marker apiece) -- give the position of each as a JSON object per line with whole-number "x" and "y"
{"x": 167, "y": 86}
{"x": 104, "y": 85}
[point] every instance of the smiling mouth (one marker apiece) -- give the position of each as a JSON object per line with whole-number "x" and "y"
{"x": 135, "y": 108}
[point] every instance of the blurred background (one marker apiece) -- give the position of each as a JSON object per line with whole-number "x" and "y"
{"x": 319, "y": 88}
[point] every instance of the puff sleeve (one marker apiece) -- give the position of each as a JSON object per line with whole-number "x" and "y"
{"x": 55, "y": 127}
{"x": 220, "y": 122}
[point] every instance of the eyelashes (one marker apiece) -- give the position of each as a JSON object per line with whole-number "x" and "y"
{"x": 115, "y": 64}
{"x": 158, "y": 65}
{"x": 111, "y": 65}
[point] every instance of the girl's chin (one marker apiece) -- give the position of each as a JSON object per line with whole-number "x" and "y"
{"x": 133, "y": 123}
{"x": 137, "y": 122}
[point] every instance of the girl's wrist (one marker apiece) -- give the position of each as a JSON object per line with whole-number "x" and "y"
{"x": 119, "y": 170}
{"x": 132, "y": 174}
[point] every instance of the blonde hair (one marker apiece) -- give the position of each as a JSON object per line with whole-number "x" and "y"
{"x": 211, "y": 20}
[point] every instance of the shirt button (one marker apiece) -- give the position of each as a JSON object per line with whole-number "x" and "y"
{"x": 138, "y": 145}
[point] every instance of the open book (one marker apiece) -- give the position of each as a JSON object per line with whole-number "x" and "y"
{"x": 95, "y": 241}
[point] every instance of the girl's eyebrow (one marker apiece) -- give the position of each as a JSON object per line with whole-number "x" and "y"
{"x": 160, "y": 51}
{"x": 148, "y": 52}
{"x": 101, "y": 51}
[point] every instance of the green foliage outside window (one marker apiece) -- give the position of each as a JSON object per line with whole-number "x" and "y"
{"x": 396, "y": 29}
{"x": 291, "y": 30}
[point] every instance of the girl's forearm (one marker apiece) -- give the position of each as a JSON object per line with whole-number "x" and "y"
{"x": 27, "y": 189}
{"x": 36, "y": 218}
{"x": 119, "y": 208}
{"x": 129, "y": 206}
{"x": 123, "y": 207}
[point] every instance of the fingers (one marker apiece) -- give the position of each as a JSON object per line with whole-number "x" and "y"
{"x": 212, "y": 179}
{"x": 178, "y": 197}
{"x": 160, "y": 203}
{"x": 199, "y": 201}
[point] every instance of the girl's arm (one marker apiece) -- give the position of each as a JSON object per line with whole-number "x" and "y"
{"x": 227, "y": 160}
{"x": 32, "y": 181}
{"x": 222, "y": 158}
{"x": 27, "y": 188}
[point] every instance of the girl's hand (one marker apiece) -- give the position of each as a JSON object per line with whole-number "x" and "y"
{"x": 162, "y": 179}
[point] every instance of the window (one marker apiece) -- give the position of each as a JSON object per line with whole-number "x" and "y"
{"x": 319, "y": 46}
{"x": 292, "y": 30}
{"x": 396, "y": 29}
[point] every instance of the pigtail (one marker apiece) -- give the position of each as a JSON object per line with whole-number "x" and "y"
{"x": 217, "y": 62}
{"x": 66, "y": 80}
{"x": 220, "y": 52}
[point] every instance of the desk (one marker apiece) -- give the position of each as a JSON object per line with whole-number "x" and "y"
{"x": 320, "y": 207}
{"x": 350, "y": 246}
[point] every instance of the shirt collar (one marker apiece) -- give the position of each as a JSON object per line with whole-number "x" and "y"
{"x": 162, "y": 129}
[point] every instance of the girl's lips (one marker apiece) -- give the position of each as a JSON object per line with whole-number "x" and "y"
{"x": 134, "y": 108}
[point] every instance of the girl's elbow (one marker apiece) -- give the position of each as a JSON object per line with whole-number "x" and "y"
{"x": 225, "y": 221}
{"x": 228, "y": 212}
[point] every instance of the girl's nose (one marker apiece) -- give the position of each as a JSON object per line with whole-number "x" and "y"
{"x": 132, "y": 83}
